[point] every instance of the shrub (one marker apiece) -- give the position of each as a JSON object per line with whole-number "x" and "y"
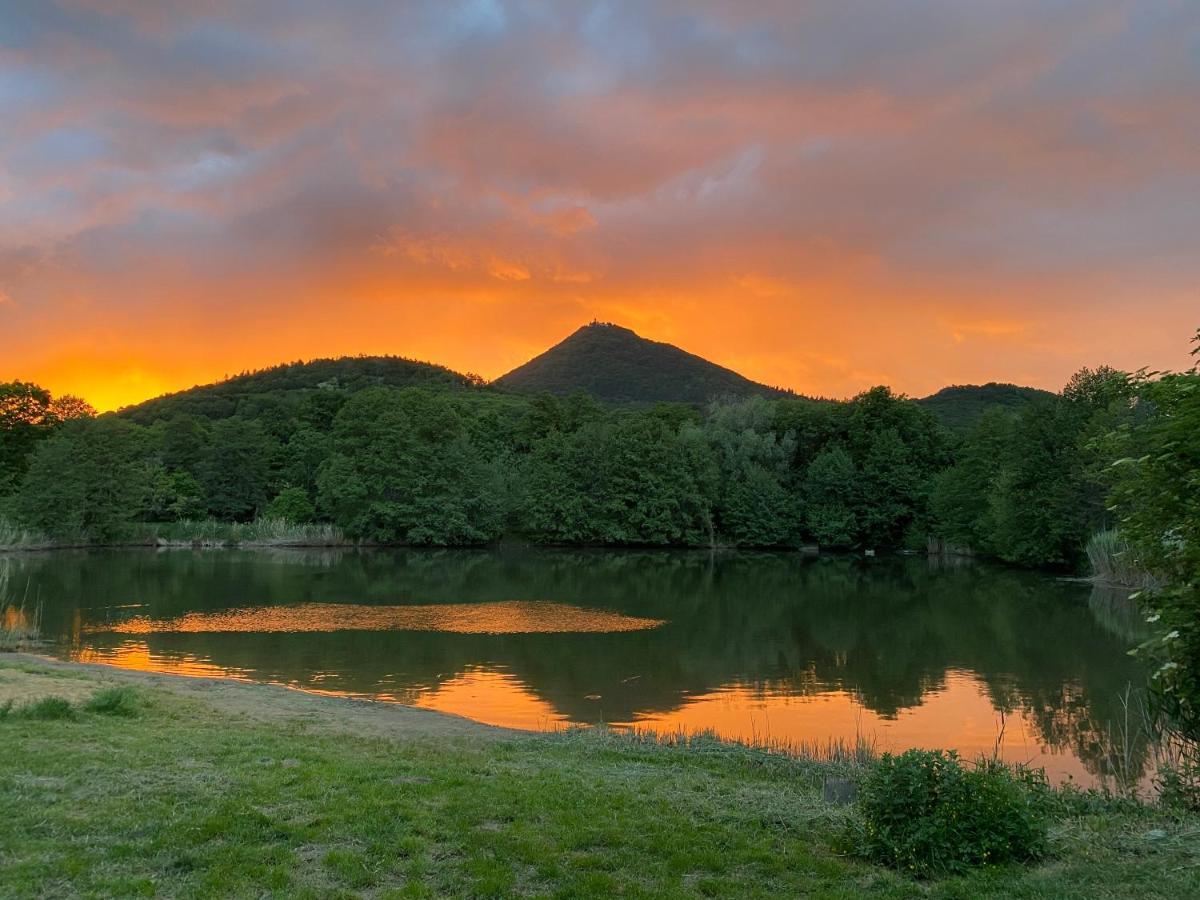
{"x": 292, "y": 506}
{"x": 50, "y": 708}
{"x": 925, "y": 813}
{"x": 115, "y": 701}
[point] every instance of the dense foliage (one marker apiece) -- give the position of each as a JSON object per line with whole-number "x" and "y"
{"x": 1028, "y": 486}
{"x": 926, "y": 813}
{"x": 28, "y": 414}
{"x": 262, "y": 394}
{"x": 468, "y": 465}
{"x": 961, "y": 405}
{"x": 1156, "y": 493}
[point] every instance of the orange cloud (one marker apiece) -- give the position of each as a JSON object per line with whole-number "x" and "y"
{"x": 959, "y": 194}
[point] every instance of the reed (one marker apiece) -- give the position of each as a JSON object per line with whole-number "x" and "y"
{"x": 842, "y": 753}
{"x": 20, "y": 621}
{"x": 264, "y": 532}
{"x": 15, "y": 537}
{"x": 1113, "y": 561}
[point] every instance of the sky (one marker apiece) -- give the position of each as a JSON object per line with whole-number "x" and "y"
{"x": 821, "y": 195}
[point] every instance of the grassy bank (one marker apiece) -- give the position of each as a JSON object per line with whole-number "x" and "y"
{"x": 170, "y": 787}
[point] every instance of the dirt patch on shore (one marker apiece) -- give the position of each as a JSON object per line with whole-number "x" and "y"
{"x": 22, "y": 685}
{"x": 24, "y": 677}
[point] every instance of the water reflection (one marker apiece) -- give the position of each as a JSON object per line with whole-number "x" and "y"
{"x": 504, "y": 617}
{"x": 767, "y": 646}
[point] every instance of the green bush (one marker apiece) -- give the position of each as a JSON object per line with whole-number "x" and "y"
{"x": 925, "y": 813}
{"x": 49, "y": 708}
{"x": 292, "y": 506}
{"x": 115, "y": 701}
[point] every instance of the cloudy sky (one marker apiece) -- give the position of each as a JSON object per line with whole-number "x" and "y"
{"x": 822, "y": 195}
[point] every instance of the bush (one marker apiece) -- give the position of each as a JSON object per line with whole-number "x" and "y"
{"x": 115, "y": 701}
{"x": 924, "y": 813}
{"x": 49, "y": 708}
{"x": 292, "y": 506}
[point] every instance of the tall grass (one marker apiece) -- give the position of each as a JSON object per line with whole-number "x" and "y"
{"x": 20, "y": 621}
{"x": 1113, "y": 561}
{"x": 845, "y": 754}
{"x": 15, "y": 537}
{"x": 936, "y": 546}
{"x": 265, "y": 532}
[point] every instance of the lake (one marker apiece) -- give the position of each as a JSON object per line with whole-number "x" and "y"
{"x": 772, "y": 647}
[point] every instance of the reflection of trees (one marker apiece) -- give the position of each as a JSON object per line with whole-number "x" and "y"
{"x": 1117, "y": 614}
{"x": 885, "y": 630}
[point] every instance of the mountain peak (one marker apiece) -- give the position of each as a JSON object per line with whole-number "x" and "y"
{"x": 615, "y": 364}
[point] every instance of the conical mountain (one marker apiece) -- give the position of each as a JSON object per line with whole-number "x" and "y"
{"x": 616, "y": 365}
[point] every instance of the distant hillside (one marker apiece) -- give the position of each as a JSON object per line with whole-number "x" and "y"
{"x": 291, "y": 381}
{"x": 961, "y": 405}
{"x": 611, "y": 363}
{"x": 614, "y": 364}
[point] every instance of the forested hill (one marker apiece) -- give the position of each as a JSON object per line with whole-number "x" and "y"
{"x": 614, "y": 364}
{"x": 610, "y": 363}
{"x": 242, "y": 394}
{"x": 961, "y": 405}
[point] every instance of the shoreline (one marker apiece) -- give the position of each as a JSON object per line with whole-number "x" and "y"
{"x": 137, "y": 783}
{"x": 280, "y": 702}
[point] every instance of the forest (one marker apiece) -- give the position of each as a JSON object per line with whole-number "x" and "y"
{"x": 416, "y": 456}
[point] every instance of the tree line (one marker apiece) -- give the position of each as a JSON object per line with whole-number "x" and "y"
{"x": 428, "y": 466}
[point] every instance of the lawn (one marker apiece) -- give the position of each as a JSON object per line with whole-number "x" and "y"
{"x": 153, "y": 791}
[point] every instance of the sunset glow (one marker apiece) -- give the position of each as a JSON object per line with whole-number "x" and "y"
{"x": 822, "y": 196}
{"x": 504, "y": 617}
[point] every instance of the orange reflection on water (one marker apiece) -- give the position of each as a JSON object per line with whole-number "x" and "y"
{"x": 493, "y": 697}
{"x": 504, "y": 617}
{"x": 15, "y": 619}
{"x": 137, "y": 656}
{"x": 958, "y": 716}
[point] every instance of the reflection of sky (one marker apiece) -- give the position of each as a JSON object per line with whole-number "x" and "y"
{"x": 755, "y": 646}
{"x": 824, "y": 195}
{"x": 504, "y": 617}
{"x": 959, "y": 715}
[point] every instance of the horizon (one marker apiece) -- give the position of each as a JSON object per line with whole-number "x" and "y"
{"x": 490, "y": 382}
{"x": 957, "y": 195}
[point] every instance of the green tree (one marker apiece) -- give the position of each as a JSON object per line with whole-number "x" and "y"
{"x": 236, "y": 469}
{"x": 174, "y": 496}
{"x": 756, "y": 505}
{"x": 1156, "y": 493}
{"x": 87, "y": 481}
{"x": 637, "y": 480}
{"x": 291, "y": 505}
{"x": 897, "y": 447}
{"x": 830, "y": 492}
{"x": 403, "y": 469}
{"x": 184, "y": 443}
{"x": 960, "y": 496}
{"x": 28, "y": 414}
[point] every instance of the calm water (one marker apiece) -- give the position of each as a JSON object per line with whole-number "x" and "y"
{"x": 755, "y": 646}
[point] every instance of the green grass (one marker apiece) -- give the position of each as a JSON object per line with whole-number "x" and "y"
{"x": 51, "y": 709}
{"x": 181, "y": 800}
{"x": 120, "y": 700}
